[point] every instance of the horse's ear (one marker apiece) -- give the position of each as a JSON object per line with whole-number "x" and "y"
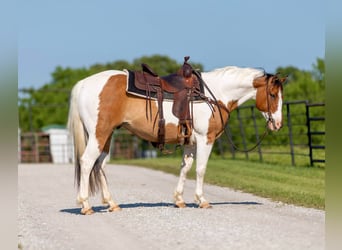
{"x": 282, "y": 80}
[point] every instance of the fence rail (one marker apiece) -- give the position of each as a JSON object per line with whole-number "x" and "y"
{"x": 299, "y": 137}
{"x": 301, "y": 141}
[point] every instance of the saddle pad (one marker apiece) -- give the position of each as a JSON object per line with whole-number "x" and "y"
{"x": 131, "y": 89}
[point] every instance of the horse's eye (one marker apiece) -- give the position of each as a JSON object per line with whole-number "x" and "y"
{"x": 272, "y": 95}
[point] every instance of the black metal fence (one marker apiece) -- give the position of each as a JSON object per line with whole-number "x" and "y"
{"x": 314, "y": 132}
{"x": 301, "y": 141}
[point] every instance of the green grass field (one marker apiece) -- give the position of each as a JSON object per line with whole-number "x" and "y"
{"x": 304, "y": 186}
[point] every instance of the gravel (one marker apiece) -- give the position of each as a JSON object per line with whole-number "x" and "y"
{"x": 48, "y": 217}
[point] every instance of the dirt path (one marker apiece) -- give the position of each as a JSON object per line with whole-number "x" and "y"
{"x": 48, "y": 217}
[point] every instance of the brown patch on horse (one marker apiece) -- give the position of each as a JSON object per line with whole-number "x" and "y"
{"x": 267, "y": 97}
{"x": 110, "y": 115}
{"x": 170, "y": 129}
{"x": 215, "y": 128}
{"x": 117, "y": 108}
{"x": 143, "y": 126}
{"x": 232, "y": 105}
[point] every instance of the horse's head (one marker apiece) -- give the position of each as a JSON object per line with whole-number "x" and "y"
{"x": 269, "y": 99}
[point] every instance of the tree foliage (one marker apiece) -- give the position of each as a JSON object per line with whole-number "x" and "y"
{"x": 305, "y": 85}
{"x": 49, "y": 104}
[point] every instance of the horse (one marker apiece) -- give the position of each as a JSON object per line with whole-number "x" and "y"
{"x": 100, "y": 103}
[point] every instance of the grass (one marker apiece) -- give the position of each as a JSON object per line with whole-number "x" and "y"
{"x": 304, "y": 186}
{"x": 281, "y": 155}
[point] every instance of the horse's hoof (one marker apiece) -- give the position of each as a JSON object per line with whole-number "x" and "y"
{"x": 180, "y": 204}
{"x": 114, "y": 208}
{"x": 87, "y": 211}
{"x": 205, "y": 205}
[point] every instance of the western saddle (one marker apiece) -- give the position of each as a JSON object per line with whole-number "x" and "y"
{"x": 183, "y": 85}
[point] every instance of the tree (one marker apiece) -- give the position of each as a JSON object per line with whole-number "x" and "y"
{"x": 305, "y": 85}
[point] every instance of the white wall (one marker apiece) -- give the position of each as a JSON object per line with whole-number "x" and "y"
{"x": 60, "y": 145}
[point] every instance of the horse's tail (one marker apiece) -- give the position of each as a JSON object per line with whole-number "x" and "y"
{"x": 77, "y": 131}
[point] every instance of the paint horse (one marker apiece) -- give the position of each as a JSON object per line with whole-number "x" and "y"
{"x": 100, "y": 103}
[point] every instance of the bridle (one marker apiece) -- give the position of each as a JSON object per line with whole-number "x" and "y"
{"x": 220, "y": 105}
{"x": 270, "y": 118}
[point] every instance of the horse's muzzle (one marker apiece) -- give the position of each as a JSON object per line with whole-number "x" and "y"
{"x": 274, "y": 125}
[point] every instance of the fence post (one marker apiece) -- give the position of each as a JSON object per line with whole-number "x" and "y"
{"x": 220, "y": 146}
{"x": 256, "y": 133}
{"x": 309, "y": 132}
{"x": 36, "y": 147}
{"x": 242, "y": 132}
{"x": 232, "y": 149}
{"x": 289, "y": 125}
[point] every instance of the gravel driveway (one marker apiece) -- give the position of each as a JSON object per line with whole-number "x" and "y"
{"x": 48, "y": 217}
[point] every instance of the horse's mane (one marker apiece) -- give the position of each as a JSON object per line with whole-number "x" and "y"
{"x": 247, "y": 71}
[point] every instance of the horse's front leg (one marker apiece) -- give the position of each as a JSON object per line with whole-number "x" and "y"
{"x": 188, "y": 158}
{"x": 203, "y": 152}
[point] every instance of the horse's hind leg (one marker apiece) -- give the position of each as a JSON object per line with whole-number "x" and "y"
{"x": 106, "y": 196}
{"x": 87, "y": 161}
{"x": 188, "y": 158}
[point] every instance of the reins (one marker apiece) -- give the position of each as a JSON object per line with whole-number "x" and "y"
{"x": 219, "y": 105}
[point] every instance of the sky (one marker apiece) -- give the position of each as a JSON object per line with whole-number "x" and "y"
{"x": 215, "y": 33}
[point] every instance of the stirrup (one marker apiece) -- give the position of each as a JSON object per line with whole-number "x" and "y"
{"x": 184, "y": 132}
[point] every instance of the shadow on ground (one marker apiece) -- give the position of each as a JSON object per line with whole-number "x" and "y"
{"x": 103, "y": 209}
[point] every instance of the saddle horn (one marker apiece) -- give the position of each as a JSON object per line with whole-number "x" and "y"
{"x": 187, "y": 68}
